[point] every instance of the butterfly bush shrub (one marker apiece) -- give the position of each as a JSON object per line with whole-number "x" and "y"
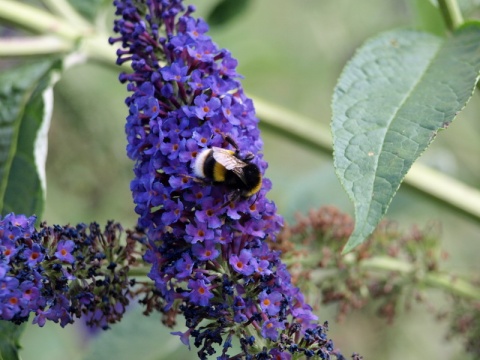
{"x": 208, "y": 261}
{"x": 244, "y": 284}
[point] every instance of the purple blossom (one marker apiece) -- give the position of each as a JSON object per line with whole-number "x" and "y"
{"x": 271, "y": 328}
{"x": 30, "y": 293}
{"x": 153, "y": 108}
{"x": 33, "y": 255}
{"x": 40, "y": 318}
{"x": 200, "y": 293}
{"x": 261, "y": 266}
{"x": 205, "y": 251}
{"x": 173, "y": 211}
{"x": 184, "y": 266}
{"x": 241, "y": 263}
{"x": 11, "y": 304}
{"x": 270, "y": 303}
{"x": 176, "y": 72}
{"x": 8, "y": 249}
{"x": 208, "y": 215}
{"x": 196, "y": 29}
{"x": 8, "y": 284}
{"x": 3, "y": 270}
{"x": 196, "y": 81}
{"x": 231, "y": 111}
{"x": 184, "y": 337}
{"x": 64, "y": 251}
{"x": 199, "y": 232}
{"x": 205, "y": 107}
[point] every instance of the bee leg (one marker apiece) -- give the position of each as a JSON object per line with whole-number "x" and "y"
{"x": 231, "y": 198}
{"x": 196, "y": 179}
{"x": 248, "y": 156}
{"x": 228, "y": 138}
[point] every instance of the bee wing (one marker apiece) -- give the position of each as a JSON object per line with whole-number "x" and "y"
{"x": 227, "y": 159}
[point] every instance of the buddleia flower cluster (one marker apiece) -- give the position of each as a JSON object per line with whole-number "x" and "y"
{"x": 209, "y": 261}
{"x": 61, "y": 273}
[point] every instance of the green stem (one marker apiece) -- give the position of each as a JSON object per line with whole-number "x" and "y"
{"x": 447, "y": 282}
{"x": 448, "y": 190}
{"x": 452, "y": 284}
{"x": 97, "y": 49}
{"x": 139, "y": 272}
{"x": 39, "y": 45}
{"x": 37, "y": 20}
{"x": 67, "y": 12}
{"x": 451, "y": 13}
{"x": 293, "y": 126}
{"x": 311, "y": 133}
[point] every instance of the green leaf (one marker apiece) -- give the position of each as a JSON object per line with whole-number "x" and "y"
{"x": 24, "y": 117}
{"x": 9, "y": 335}
{"x": 395, "y": 94}
{"x": 226, "y": 10}
{"x": 26, "y": 187}
{"x": 26, "y": 98}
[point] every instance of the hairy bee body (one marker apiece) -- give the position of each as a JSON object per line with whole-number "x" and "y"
{"x": 226, "y": 167}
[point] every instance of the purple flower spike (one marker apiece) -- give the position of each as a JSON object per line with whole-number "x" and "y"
{"x": 208, "y": 253}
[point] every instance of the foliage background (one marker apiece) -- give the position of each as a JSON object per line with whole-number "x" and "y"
{"x": 291, "y": 53}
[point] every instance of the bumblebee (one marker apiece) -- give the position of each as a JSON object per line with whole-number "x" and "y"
{"x": 227, "y": 167}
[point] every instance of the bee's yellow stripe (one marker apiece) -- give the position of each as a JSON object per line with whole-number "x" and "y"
{"x": 219, "y": 172}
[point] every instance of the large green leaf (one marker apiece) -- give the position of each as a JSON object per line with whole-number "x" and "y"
{"x": 26, "y": 101}
{"x": 395, "y": 94}
{"x": 25, "y": 110}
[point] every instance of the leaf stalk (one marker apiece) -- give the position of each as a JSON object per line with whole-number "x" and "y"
{"x": 452, "y": 16}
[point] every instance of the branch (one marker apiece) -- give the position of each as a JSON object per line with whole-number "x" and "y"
{"x": 38, "y": 45}
{"x": 36, "y": 20}
{"x": 452, "y": 16}
{"x": 448, "y": 282}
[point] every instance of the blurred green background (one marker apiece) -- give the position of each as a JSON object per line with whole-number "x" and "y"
{"x": 291, "y": 53}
